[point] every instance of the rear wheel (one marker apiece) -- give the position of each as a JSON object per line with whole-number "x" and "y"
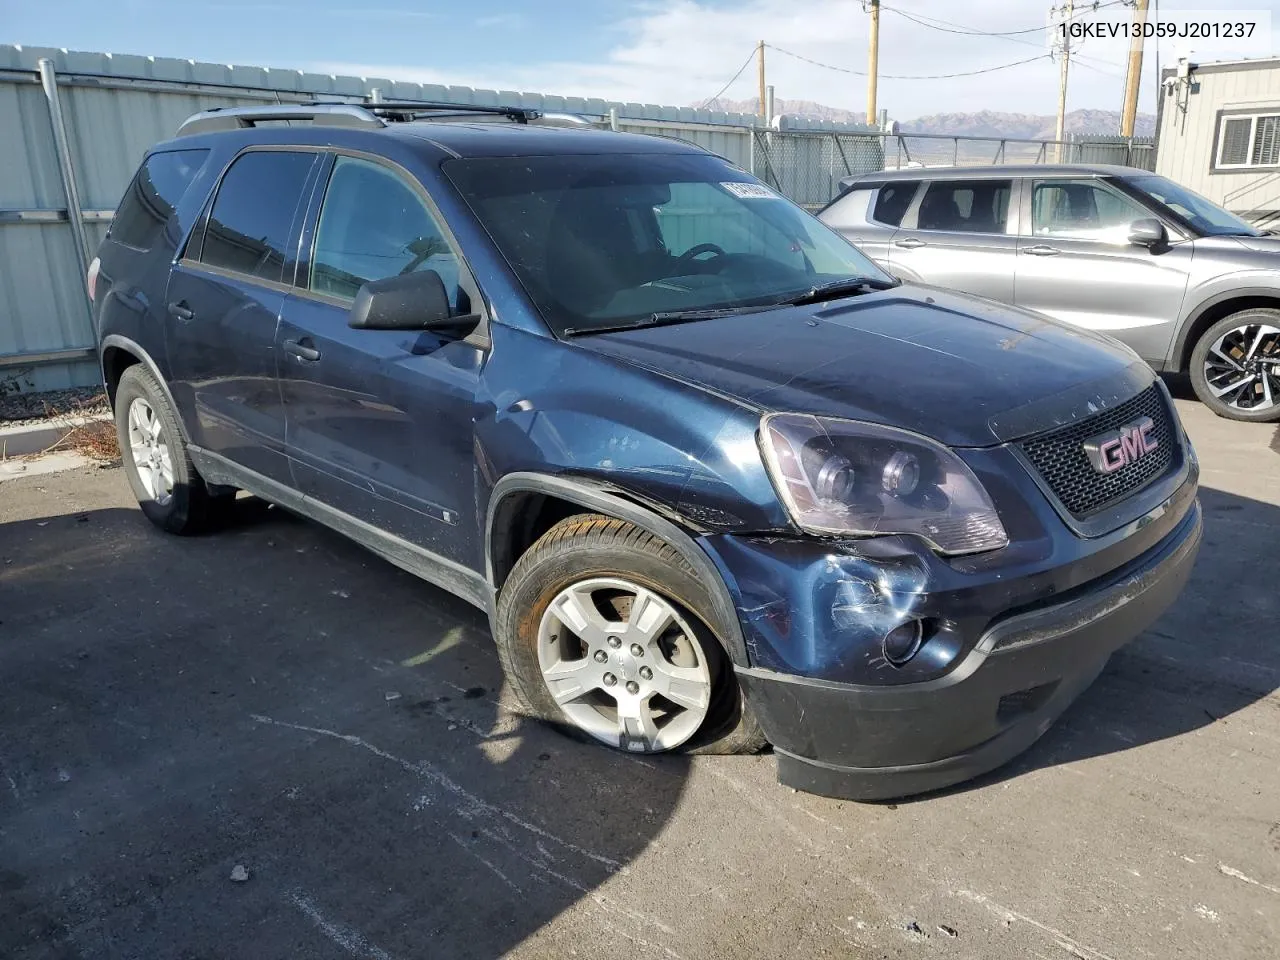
{"x": 169, "y": 490}
{"x": 603, "y": 631}
{"x": 1235, "y": 366}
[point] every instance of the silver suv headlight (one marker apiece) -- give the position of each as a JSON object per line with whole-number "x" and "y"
{"x": 862, "y": 479}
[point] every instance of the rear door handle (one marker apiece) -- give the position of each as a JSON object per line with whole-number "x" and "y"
{"x": 1042, "y": 250}
{"x": 304, "y": 349}
{"x": 910, "y": 243}
{"x": 181, "y": 311}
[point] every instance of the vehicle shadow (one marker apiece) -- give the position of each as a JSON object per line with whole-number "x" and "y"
{"x": 274, "y": 698}
{"x": 1208, "y": 657}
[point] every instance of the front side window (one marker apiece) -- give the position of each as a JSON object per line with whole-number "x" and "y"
{"x": 1249, "y": 141}
{"x": 598, "y": 240}
{"x": 374, "y": 225}
{"x": 1205, "y": 216}
{"x": 1082, "y": 210}
{"x": 153, "y": 195}
{"x": 253, "y": 213}
{"x": 966, "y": 206}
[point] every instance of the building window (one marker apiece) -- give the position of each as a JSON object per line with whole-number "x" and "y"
{"x": 1249, "y": 141}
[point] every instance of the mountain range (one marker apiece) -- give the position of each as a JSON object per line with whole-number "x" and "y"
{"x": 984, "y": 123}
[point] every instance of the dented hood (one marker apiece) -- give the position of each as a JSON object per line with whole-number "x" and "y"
{"x": 963, "y": 370}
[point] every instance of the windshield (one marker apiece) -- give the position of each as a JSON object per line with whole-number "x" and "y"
{"x": 1206, "y": 217}
{"x": 601, "y": 240}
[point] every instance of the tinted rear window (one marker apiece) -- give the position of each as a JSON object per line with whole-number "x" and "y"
{"x": 969, "y": 206}
{"x": 152, "y": 196}
{"x": 892, "y": 202}
{"x": 253, "y": 214}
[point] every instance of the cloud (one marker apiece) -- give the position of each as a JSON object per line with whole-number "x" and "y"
{"x": 503, "y": 21}
{"x": 682, "y": 51}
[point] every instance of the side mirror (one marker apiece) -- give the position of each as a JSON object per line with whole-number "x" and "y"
{"x": 411, "y": 301}
{"x": 1149, "y": 232}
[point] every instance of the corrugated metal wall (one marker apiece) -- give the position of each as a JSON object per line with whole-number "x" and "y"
{"x": 1188, "y": 126}
{"x": 115, "y": 107}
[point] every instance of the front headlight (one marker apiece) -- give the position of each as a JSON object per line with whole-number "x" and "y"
{"x": 862, "y": 479}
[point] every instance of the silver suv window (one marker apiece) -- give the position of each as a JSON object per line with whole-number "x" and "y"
{"x": 966, "y": 206}
{"x": 1082, "y": 210}
{"x": 892, "y": 202}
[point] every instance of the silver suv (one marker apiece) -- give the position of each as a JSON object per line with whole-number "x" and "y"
{"x": 1189, "y": 286}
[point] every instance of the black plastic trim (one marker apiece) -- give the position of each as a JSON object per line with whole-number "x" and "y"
{"x": 455, "y": 578}
{"x": 134, "y": 348}
{"x": 614, "y": 502}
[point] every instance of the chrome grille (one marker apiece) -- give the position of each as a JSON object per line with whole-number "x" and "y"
{"x": 1060, "y": 458}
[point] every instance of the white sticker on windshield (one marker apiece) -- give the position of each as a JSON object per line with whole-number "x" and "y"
{"x": 750, "y": 191}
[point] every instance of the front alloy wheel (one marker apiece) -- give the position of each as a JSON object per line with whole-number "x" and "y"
{"x": 624, "y": 665}
{"x": 1235, "y": 367}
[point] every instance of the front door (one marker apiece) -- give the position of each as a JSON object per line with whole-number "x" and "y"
{"x": 957, "y": 234}
{"x": 1076, "y": 264}
{"x": 223, "y": 306}
{"x": 379, "y": 422}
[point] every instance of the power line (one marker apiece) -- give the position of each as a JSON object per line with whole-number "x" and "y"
{"x": 929, "y": 76}
{"x": 746, "y": 63}
{"x": 948, "y": 26}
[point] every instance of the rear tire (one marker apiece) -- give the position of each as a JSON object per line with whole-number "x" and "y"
{"x": 1235, "y": 366}
{"x": 673, "y": 688}
{"x": 170, "y": 492}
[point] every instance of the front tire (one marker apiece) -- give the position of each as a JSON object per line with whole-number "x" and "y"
{"x": 1235, "y": 366}
{"x": 170, "y": 492}
{"x": 602, "y": 631}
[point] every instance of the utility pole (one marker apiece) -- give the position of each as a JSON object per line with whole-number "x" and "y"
{"x": 763, "y": 92}
{"x": 1133, "y": 78}
{"x": 1064, "y": 62}
{"x": 873, "y": 61}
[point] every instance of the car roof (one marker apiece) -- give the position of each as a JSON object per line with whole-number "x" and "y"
{"x": 486, "y": 138}
{"x": 995, "y": 172}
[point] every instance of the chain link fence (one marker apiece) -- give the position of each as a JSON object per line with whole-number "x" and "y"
{"x": 808, "y": 166}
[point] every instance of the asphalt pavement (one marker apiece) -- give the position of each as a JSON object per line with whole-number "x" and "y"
{"x": 268, "y": 743}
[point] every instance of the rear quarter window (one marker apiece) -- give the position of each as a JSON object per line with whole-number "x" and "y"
{"x": 154, "y": 193}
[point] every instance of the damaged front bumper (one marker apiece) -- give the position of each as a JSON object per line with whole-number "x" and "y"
{"x": 1007, "y": 650}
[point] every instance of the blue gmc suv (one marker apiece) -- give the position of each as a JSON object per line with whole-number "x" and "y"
{"x": 718, "y": 481}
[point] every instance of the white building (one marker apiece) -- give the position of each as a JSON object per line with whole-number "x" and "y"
{"x": 1218, "y": 132}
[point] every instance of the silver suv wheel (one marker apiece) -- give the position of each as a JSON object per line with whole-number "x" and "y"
{"x": 634, "y": 677}
{"x": 1242, "y": 367}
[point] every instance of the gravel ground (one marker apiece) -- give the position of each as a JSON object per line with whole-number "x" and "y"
{"x": 268, "y": 743}
{"x": 23, "y": 408}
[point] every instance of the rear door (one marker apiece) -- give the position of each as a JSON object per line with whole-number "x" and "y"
{"x": 380, "y": 421}
{"x": 223, "y": 306}
{"x": 1076, "y": 264}
{"x": 959, "y": 234}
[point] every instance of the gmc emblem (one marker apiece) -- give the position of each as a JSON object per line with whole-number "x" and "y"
{"x": 1110, "y": 451}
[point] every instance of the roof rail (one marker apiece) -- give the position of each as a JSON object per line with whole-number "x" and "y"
{"x": 338, "y": 114}
{"x": 240, "y": 118}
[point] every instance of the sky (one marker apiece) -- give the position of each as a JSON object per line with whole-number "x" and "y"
{"x": 679, "y": 52}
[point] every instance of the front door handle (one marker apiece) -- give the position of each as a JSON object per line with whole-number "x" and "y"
{"x": 910, "y": 243}
{"x": 181, "y": 311}
{"x": 304, "y": 349}
{"x": 1042, "y": 250}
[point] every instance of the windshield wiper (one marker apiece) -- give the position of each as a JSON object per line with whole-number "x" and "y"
{"x": 667, "y": 318}
{"x": 839, "y": 288}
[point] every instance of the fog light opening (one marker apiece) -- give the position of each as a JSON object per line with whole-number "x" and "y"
{"x": 903, "y": 642}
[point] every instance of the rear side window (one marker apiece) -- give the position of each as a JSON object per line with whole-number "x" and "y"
{"x": 967, "y": 206}
{"x": 153, "y": 195}
{"x": 254, "y": 211}
{"x": 892, "y": 202}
